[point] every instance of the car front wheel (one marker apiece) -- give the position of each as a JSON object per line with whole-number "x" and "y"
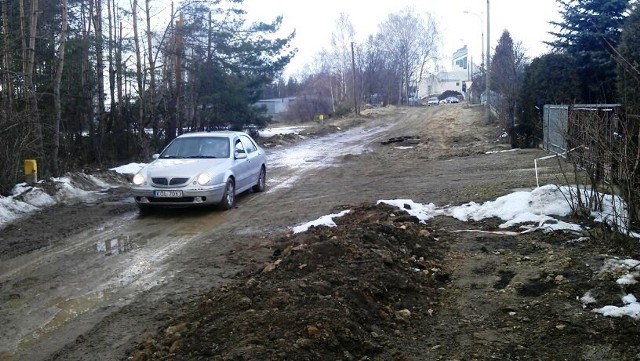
{"x": 229, "y": 197}
{"x": 262, "y": 181}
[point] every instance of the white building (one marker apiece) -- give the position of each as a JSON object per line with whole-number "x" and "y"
{"x": 457, "y": 79}
{"x": 276, "y": 105}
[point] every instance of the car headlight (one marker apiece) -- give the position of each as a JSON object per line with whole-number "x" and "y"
{"x": 138, "y": 179}
{"x": 203, "y": 178}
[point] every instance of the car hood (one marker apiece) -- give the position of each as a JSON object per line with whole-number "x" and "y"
{"x": 184, "y": 167}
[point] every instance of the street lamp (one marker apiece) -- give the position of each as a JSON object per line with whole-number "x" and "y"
{"x": 482, "y": 32}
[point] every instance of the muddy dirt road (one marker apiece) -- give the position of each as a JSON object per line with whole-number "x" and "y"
{"x": 93, "y": 282}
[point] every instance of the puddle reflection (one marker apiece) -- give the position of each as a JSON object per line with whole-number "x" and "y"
{"x": 115, "y": 246}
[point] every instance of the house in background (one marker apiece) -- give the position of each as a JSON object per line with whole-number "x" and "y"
{"x": 458, "y": 79}
{"x": 275, "y": 106}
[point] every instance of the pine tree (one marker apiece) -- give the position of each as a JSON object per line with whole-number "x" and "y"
{"x": 629, "y": 63}
{"x": 503, "y": 72}
{"x": 590, "y": 32}
{"x": 549, "y": 79}
{"x": 504, "y": 80}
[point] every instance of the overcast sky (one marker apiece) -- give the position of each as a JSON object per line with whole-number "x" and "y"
{"x": 314, "y": 21}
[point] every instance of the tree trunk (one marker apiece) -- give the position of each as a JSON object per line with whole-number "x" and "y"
{"x": 34, "y": 117}
{"x": 7, "y": 59}
{"x": 23, "y": 39}
{"x": 33, "y": 27}
{"x": 28, "y": 49}
{"x": 88, "y": 115}
{"x": 169, "y": 78}
{"x": 56, "y": 89}
{"x": 152, "y": 80}
{"x": 178, "y": 72}
{"x": 139, "y": 74}
{"x": 97, "y": 24}
{"x": 210, "y": 40}
{"x": 120, "y": 123}
{"x": 112, "y": 71}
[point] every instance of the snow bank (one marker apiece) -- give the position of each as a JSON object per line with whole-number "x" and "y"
{"x": 25, "y": 199}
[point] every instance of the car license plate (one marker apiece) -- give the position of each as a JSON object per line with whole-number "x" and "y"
{"x": 168, "y": 194}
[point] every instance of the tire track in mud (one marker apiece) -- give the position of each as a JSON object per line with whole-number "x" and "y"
{"x": 100, "y": 268}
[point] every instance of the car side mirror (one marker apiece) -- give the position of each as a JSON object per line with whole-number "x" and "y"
{"x": 155, "y": 156}
{"x": 240, "y": 155}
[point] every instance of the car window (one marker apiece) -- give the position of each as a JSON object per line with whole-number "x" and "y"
{"x": 182, "y": 148}
{"x": 215, "y": 147}
{"x": 197, "y": 147}
{"x": 249, "y": 146}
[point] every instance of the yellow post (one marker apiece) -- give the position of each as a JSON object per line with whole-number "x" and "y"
{"x": 31, "y": 171}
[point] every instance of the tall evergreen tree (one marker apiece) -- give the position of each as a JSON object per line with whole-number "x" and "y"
{"x": 549, "y": 79}
{"x": 628, "y": 155}
{"x": 228, "y": 62}
{"x": 590, "y": 32}
{"x": 503, "y": 72}
{"x": 629, "y": 63}
{"x": 506, "y": 78}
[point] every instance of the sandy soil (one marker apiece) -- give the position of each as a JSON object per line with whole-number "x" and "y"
{"x": 101, "y": 282}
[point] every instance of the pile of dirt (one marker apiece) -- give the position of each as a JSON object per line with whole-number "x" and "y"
{"x": 355, "y": 292}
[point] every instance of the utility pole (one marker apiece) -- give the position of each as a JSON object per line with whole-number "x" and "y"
{"x": 353, "y": 70}
{"x": 487, "y": 110}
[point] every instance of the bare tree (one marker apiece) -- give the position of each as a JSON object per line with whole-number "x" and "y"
{"x": 341, "y": 40}
{"x": 139, "y": 71}
{"x": 430, "y": 39}
{"x": 29, "y": 53}
{"x": 7, "y": 59}
{"x": 87, "y": 116}
{"x": 152, "y": 72}
{"x": 56, "y": 87}
{"x": 409, "y": 42}
{"x": 100, "y": 95}
{"x": 111, "y": 14}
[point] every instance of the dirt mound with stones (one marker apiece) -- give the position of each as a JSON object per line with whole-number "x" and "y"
{"x": 352, "y": 292}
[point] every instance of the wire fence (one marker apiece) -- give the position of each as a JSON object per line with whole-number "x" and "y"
{"x": 602, "y": 141}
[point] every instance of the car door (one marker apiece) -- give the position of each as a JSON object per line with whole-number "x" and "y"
{"x": 253, "y": 156}
{"x": 242, "y": 166}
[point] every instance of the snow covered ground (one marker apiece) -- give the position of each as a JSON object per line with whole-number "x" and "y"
{"x": 271, "y": 131}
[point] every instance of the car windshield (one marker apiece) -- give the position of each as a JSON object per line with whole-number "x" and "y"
{"x": 198, "y": 147}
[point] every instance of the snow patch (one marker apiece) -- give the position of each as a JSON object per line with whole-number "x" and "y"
{"x": 322, "y": 221}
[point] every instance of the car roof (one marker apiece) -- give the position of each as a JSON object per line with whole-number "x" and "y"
{"x": 220, "y": 133}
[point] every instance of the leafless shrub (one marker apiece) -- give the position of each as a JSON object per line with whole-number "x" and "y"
{"x": 17, "y": 141}
{"x": 306, "y": 108}
{"x": 603, "y": 149}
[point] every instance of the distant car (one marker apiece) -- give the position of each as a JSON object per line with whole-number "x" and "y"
{"x": 199, "y": 169}
{"x": 452, "y": 100}
{"x": 433, "y": 101}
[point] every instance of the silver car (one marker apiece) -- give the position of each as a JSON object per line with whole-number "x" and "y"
{"x": 207, "y": 168}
